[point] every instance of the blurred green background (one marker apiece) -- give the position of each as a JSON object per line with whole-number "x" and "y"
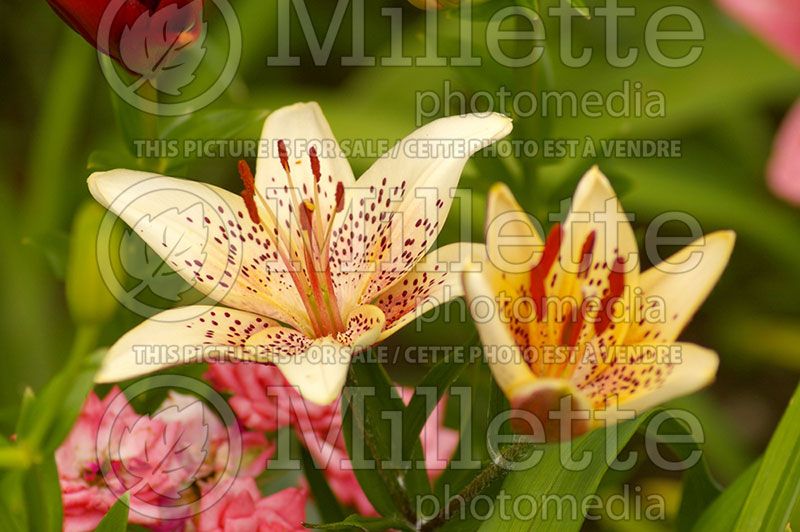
{"x": 57, "y": 111}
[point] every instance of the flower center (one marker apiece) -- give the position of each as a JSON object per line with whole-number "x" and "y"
{"x": 564, "y": 327}
{"x": 313, "y": 280}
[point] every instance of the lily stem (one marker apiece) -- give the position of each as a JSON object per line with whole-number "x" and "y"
{"x": 488, "y": 476}
{"x": 84, "y": 341}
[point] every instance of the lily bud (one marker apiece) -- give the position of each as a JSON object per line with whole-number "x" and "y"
{"x": 89, "y": 300}
{"x": 133, "y": 32}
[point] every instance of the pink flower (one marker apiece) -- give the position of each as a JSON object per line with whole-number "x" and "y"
{"x": 198, "y": 423}
{"x": 85, "y": 492}
{"x": 244, "y": 509}
{"x": 778, "y": 23}
{"x": 775, "y": 21}
{"x": 783, "y": 171}
{"x": 249, "y": 383}
{"x": 159, "y": 459}
{"x": 264, "y": 401}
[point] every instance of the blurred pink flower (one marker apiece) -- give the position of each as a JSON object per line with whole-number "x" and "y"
{"x": 244, "y": 509}
{"x": 775, "y": 21}
{"x": 158, "y": 458}
{"x": 783, "y": 172}
{"x": 86, "y": 497}
{"x": 778, "y": 23}
{"x": 263, "y": 400}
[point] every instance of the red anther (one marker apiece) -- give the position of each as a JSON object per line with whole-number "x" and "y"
{"x": 283, "y": 153}
{"x": 312, "y": 152}
{"x": 339, "y": 196}
{"x": 246, "y": 176}
{"x": 250, "y": 203}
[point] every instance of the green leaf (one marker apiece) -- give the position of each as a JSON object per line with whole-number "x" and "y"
{"x": 479, "y": 407}
{"x": 50, "y": 415}
{"x": 367, "y": 524}
{"x": 550, "y": 478}
{"x": 419, "y": 408}
{"x": 776, "y": 487}
{"x": 116, "y": 520}
{"x": 43, "y": 495}
{"x": 216, "y": 124}
{"x": 328, "y": 505}
{"x": 699, "y": 492}
{"x": 390, "y": 486}
{"x": 721, "y": 515}
{"x": 9, "y": 520}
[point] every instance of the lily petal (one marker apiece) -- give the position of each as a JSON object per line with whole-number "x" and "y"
{"x": 364, "y": 326}
{"x": 405, "y": 197}
{"x": 513, "y": 243}
{"x": 639, "y": 387}
{"x": 302, "y": 126}
{"x": 597, "y": 229}
{"x": 505, "y": 357}
{"x": 204, "y": 233}
{"x": 318, "y": 368}
{"x": 596, "y": 210}
{"x": 681, "y": 284}
{"x": 320, "y": 372}
{"x": 433, "y": 281}
{"x": 180, "y": 336}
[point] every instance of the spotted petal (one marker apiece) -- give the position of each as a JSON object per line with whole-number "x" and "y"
{"x": 679, "y": 286}
{"x": 204, "y": 233}
{"x": 403, "y": 200}
{"x": 433, "y": 281}
{"x": 505, "y": 356}
{"x": 301, "y": 127}
{"x": 318, "y": 367}
{"x": 639, "y": 386}
{"x": 180, "y": 336}
{"x": 598, "y": 258}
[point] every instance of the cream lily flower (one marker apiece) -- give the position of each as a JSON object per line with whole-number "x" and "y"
{"x": 308, "y": 264}
{"x": 573, "y": 320}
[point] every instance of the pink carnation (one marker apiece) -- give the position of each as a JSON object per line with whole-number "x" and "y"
{"x": 86, "y": 495}
{"x": 159, "y": 459}
{"x": 264, "y": 401}
{"x": 244, "y": 509}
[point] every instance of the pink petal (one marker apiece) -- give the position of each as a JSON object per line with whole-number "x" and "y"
{"x": 775, "y": 21}
{"x": 783, "y": 170}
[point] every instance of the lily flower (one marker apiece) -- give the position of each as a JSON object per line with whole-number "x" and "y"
{"x": 308, "y": 265}
{"x": 574, "y": 327}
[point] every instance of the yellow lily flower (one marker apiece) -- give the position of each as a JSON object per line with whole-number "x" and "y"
{"x": 308, "y": 265}
{"x": 572, "y": 324}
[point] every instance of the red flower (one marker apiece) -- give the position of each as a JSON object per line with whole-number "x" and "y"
{"x": 130, "y": 30}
